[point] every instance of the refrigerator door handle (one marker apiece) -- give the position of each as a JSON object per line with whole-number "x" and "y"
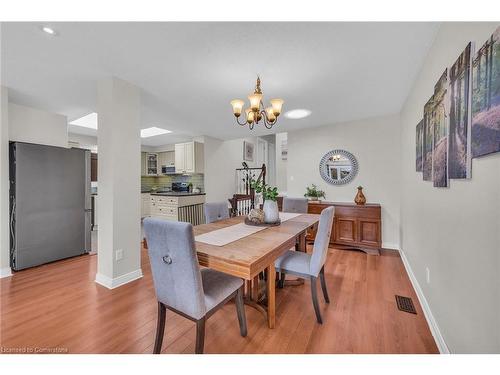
{"x": 88, "y": 183}
{"x": 88, "y": 231}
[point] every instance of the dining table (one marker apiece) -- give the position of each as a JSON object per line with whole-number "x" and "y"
{"x": 235, "y": 248}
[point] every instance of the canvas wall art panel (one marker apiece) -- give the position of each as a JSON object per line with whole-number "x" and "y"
{"x": 459, "y": 155}
{"x": 485, "y": 132}
{"x": 427, "y": 141}
{"x": 440, "y": 132}
{"x": 419, "y": 144}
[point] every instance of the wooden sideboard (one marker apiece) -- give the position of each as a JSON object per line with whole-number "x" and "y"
{"x": 354, "y": 227}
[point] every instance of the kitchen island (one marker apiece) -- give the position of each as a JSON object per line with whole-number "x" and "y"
{"x": 177, "y": 206}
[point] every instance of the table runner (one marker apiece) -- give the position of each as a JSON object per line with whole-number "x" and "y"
{"x": 223, "y": 236}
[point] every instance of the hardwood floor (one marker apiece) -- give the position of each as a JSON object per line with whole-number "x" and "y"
{"x": 60, "y": 306}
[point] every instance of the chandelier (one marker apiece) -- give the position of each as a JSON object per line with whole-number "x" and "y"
{"x": 256, "y": 112}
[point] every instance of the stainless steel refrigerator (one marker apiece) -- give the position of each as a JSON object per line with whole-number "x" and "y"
{"x": 50, "y": 208}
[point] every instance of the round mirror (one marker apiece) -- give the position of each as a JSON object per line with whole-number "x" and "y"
{"x": 338, "y": 167}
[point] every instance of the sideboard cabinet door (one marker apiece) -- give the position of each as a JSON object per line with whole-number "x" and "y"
{"x": 369, "y": 232}
{"x": 345, "y": 230}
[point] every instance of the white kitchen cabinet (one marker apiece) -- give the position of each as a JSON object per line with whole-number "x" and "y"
{"x": 189, "y": 157}
{"x": 180, "y": 158}
{"x": 166, "y": 159}
{"x": 182, "y": 208}
{"x": 145, "y": 204}
{"x": 161, "y": 159}
{"x": 143, "y": 164}
{"x": 151, "y": 164}
{"x": 169, "y": 158}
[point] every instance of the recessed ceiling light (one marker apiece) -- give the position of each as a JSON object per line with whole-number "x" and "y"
{"x": 87, "y": 121}
{"x": 49, "y": 30}
{"x": 296, "y": 114}
{"x": 153, "y": 131}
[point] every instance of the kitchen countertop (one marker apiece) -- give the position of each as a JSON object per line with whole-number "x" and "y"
{"x": 176, "y": 194}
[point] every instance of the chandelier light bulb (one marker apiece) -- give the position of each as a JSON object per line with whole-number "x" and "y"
{"x": 277, "y": 104}
{"x": 250, "y": 115}
{"x": 270, "y": 114}
{"x": 255, "y": 99}
{"x": 237, "y": 106}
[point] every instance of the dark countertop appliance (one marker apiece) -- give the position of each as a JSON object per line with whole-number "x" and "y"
{"x": 180, "y": 187}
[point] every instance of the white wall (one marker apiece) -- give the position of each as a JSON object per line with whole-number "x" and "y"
{"x": 32, "y": 125}
{"x": 375, "y": 144}
{"x": 221, "y": 160}
{"x": 85, "y": 141}
{"x": 4, "y": 187}
{"x": 454, "y": 231}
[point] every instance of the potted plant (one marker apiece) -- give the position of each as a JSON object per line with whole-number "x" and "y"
{"x": 313, "y": 193}
{"x": 270, "y": 195}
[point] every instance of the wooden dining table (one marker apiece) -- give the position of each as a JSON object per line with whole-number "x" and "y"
{"x": 247, "y": 257}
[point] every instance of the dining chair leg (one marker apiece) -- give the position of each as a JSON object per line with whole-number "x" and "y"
{"x": 160, "y": 328}
{"x": 281, "y": 283}
{"x": 200, "y": 335}
{"x": 314, "y": 294}
{"x": 323, "y": 284}
{"x": 240, "y": 310}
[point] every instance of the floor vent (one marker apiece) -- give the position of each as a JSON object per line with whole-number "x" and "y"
{"x": 405, "y": 304}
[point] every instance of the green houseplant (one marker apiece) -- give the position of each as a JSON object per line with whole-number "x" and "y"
{"x": 313, "y": 193}
{"x": 270, "y": 195}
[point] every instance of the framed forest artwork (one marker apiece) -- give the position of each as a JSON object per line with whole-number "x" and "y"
{"x": 485, "y": 132}
{"x": 419, "y": 144}
{"x": 440, "y": 132}
{"x": 427, "y": 140}
{"x": 459, "y": 154}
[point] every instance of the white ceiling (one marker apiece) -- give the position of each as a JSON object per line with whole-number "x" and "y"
{"x": 190, "y": 71}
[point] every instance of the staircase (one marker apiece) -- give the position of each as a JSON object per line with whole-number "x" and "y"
{"x": 245, "y": 198}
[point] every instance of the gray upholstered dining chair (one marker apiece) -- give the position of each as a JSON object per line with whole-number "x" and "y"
{"x": 297, "y": 205}
{"x": 310, "y": 265}
{"x": 179, "y": 283}
{"x": 216, "y": 211}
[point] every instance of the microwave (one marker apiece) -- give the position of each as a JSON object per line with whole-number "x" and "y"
{"x": 167, "y": 169}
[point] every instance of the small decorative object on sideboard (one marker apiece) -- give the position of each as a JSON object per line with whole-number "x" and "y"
{"x": 313, "y": 194}
{"x": 256, "y": 216}
{"x": 360, "y": 198}
{"x": 270, "y": 195}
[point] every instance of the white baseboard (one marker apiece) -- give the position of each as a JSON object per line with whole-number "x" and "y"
{"x": 436, "y": 333}
{"x": 390, "y": 246}
{"x": 5, "y": 272}
{"x": 110, "y": 283}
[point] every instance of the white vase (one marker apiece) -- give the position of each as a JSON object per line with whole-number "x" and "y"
{"x": 271, "y": 214}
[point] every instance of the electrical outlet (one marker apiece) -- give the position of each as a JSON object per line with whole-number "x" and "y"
{"x": 119, "y": 254}
{"x": 428, "y": 275}
{"x": 292, "y": 178}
